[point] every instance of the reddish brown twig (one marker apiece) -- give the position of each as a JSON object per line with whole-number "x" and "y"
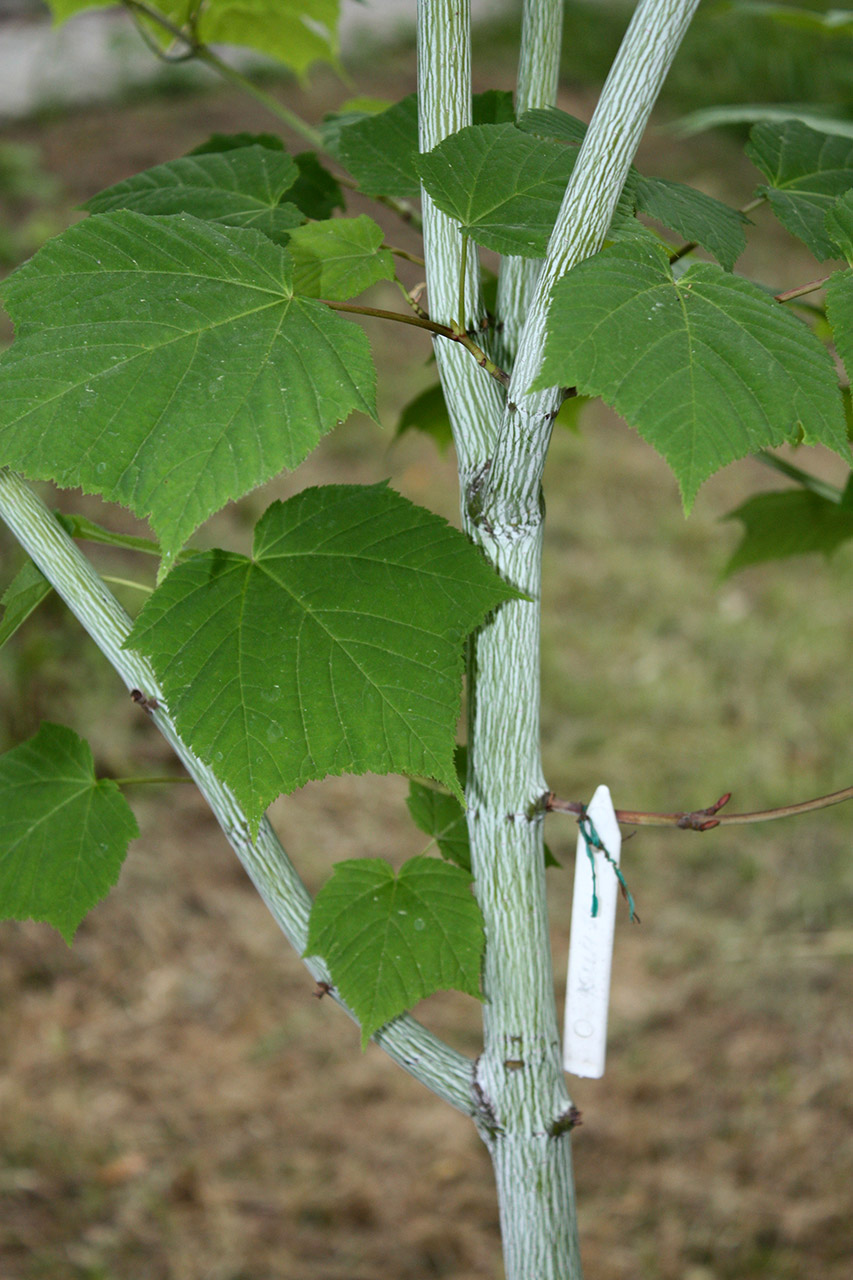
{"x": 705, "y": 819}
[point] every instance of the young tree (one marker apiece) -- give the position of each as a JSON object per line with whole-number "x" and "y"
{"x": 190, "y": 340}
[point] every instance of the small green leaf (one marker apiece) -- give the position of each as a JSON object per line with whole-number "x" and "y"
{"x": 380, "y": 149}
{"x": 336, "y": 648}
{"x": 390, "y": 941}
{"x": 339, "y": 258}
{"x": 839, "y": 313}
{"x": 236, "y": 188}
{"x": 63, "y": 834}
{"x": 807, "y": 171}
{"x": 23, "y": 595}
{"x": 166, "y": 364}
{"x": 503, "y": 187}
{"x": 428, "y": 413}
{"x": 795, "y": 522}
{"x": 694, "y": 216}
{"x": 708, "y": 368}
{"x": 440, "y": 816}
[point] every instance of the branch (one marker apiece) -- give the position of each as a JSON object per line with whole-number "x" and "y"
{"x": 412, "y": 1046}
{"x": 419, "y": 322}
{"x": 703, "y": 819}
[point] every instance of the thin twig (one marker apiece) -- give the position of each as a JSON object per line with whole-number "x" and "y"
{"x": 704, "y": 819}
{"x": 802, "y": 289}
{"x": 442, "y": 330}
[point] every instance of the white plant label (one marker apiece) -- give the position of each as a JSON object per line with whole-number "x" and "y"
{"x": 591, "y": 946}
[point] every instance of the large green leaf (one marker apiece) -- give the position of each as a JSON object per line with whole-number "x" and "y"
{"x": 683, "y": 209}
{"x": 63, "y": 833}
{"x": 240, "y": 187}
{"x": 339, "y": 258}
{"x": 806, "y": 171}
{"x": 502, "y": 186}
{"x": 795, "y": 522}
{"x": 390, "y": 941}
{"x": 296, "y": 32}
{"x": 708, "y": 368}
{"x": 23, "y": 595}
{"x": 839, "y": 312}
{"x": 166, "y": 364}
{"x": 380, "y": 148}
{"x": 335, "y": 648}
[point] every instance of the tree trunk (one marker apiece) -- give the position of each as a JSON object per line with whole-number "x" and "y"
{"x": 519, "y": 1088}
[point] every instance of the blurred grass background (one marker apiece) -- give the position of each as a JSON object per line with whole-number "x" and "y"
{"x": 175, "y": 1104}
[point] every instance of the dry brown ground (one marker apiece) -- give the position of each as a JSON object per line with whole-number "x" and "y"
{"x": 175, "y": 1104}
